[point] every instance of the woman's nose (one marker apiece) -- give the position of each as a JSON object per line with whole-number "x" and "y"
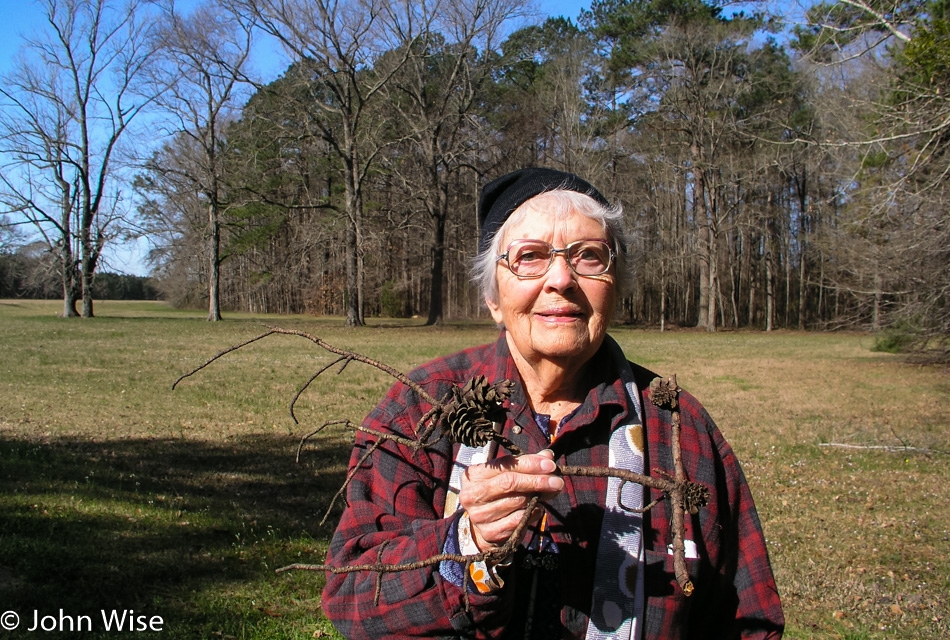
{"x": 560, "y": 275}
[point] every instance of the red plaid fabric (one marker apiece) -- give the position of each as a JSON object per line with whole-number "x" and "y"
{"x": 394, "y": 516}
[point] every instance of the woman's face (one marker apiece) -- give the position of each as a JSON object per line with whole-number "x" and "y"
{"x": 559, "y": 316}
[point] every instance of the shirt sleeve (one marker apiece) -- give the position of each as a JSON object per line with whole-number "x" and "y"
{"x": 450, "y": 570}
{"x": 394, "y": 517}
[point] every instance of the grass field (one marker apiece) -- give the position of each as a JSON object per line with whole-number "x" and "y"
{"x": 118, "y": 493}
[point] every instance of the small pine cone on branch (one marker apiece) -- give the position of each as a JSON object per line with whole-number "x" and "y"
{"x": 664, "y": 393}
{"x": 695, "y": 496}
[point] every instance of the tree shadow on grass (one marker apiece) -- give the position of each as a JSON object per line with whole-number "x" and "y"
{"x": 187, "y": 530}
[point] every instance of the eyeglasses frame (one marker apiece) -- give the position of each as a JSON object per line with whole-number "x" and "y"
{"x": 610, "y": 261}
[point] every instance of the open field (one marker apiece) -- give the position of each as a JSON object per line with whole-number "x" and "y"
{"x": 117, "y": 493}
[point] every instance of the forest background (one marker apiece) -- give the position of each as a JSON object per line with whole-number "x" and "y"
{"x": 780, "y": 166}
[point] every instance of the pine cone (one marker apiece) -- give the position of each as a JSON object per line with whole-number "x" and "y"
{"x": 473, "y": 407}
{"x": 468, "y": 426}
{"x": 664, "y": 393}
{"x": 695, "y": 496}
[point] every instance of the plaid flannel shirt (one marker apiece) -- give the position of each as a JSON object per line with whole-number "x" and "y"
{"x": 394, "y": 516}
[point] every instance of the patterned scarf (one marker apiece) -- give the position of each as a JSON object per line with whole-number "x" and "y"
{"x": 618, "y": 601}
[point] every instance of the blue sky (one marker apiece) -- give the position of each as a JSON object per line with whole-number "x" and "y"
{"x": 21, "y": 17}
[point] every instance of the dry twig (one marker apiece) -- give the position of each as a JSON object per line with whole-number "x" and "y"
{"x": 665, "y": 394}
{"x": 884, "y": 447}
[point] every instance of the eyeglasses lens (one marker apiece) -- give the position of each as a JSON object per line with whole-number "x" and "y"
{"x": 533, "y": 257}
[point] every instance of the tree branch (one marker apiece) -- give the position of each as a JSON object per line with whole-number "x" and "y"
{"x": 467, "y": 415}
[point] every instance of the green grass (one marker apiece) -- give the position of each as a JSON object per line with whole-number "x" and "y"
{"x": 118, "y": 493}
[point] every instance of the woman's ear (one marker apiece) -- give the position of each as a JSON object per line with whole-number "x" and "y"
{"x": 495, "y": 311}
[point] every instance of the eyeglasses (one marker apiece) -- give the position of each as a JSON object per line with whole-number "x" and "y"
{"x": 533, "y": 258}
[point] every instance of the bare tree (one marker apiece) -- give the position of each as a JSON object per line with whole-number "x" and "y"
{"x": 68, "y": 102}
{"x": 434, "y": 100}
{"x": 342, "y": 43}
{"x": 173, "y": 215}
{"x": 890, "y": 241}
{"x": 204, "y": 55}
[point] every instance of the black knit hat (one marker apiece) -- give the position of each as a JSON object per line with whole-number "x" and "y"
{"x": 502, "y": 196}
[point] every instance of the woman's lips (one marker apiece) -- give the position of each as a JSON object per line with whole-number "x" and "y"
{"x": 560, "y": 314}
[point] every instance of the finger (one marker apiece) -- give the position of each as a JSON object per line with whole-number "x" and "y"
{"x": 537, "y": 463}
{"x": 509, "y": 483}
{"x": 541, "y": 463}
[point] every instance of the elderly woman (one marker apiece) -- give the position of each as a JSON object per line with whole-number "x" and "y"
{"x": 551, "y": 260}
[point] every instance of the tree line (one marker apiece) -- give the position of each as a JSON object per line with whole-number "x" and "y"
{"x": 772, "y": 174}
{"x": 25, "y": 274}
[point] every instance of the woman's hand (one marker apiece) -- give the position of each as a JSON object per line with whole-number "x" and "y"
{"x": 495, "y": 494}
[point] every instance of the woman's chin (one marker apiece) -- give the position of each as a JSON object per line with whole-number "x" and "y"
{"x": 564, "y": 346}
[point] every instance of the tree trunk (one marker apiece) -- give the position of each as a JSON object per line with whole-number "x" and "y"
{"x": 734, "y": 295}
{"x": 769, "y": 257}
{"x": 214, "y": 265}
{"x": 360, "y": 280}
{"x": 735, "y": 276}
{"x": 769, "y": 289}
{"x": 878, "y": 299}
{"x": 746, "y": 273}
{"x": 705, "y": 256}
{"x": 69, "y": 289}
{"x": 70, "y": 280}
{"x": 436, "y": 275}
{"x": 439, "y": 216}
{"x": 88, "y": 269}
{"x": 802, "y": 187}
{"x": 752, "y": 285}
{"x": 406, "y": 280}
{"x": 788, "y": 274}
{"x": 801, "y": 290}
{"x": 713, "y": 293}
{"x": 662, "y": 295}
{"x": 352, "y": 297}
{"x": 90, "y": 258}
{"x": 354, "y": 272}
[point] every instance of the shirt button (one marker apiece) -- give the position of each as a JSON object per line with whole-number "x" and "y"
{"x": 516, "y": 430}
